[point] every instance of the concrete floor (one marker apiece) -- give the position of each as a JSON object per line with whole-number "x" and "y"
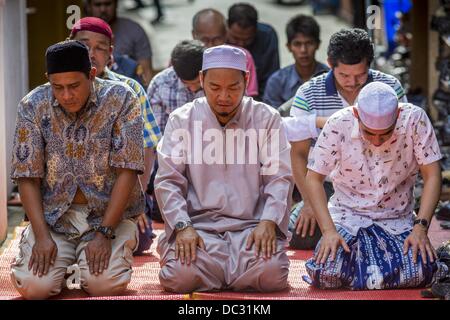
{"x": 178, "y": 20}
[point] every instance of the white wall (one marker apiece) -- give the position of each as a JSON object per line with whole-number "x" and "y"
{"x": 13, "y": 86}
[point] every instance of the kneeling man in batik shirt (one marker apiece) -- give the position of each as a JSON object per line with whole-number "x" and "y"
{"x": 76, "y": 157}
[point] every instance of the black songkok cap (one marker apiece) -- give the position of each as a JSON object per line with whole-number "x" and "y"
{"x": 67, "y": 56}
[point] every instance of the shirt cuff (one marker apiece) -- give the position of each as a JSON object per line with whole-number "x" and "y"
{"x": 274, "y": 211}
{"x": 171, "y": 222}
{"x": 314, "y": 131}
{"x": 300, "y": 128}
{"x": 139, "y": 167}
{"x": 320, "y": 170}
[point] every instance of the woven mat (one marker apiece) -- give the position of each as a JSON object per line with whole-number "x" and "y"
{"x": 144, "y": 284}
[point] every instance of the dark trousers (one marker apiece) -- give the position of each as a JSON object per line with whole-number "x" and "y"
{"x": 308, "y": 242}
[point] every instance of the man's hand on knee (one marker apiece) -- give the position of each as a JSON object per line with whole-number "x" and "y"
{"x": 98, "y": 253}
{"x": 264, "y": 237}
{"x": 419, "y": 242}
{"x": 43, "y": 255}
{"x": 329, "y": 246}
{"x": 186, "y": 243}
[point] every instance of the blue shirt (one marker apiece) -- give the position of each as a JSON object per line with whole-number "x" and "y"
{"x": 264, "y": 50}
{"x": 283, "y": 84}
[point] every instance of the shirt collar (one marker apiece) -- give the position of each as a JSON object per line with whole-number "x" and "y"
{"x": 181, "y": 86}
{"x": 330, "y": 85}
{"x": 237, "y": 116}
{"x": 109, "y": 75}
{"x": 192, "y": 95}
{"x": 356, "y": 134}
{"x": 294, "y": 79}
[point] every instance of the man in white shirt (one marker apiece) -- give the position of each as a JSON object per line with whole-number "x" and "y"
{"x": 372, "y": 239}
{"x": 350, "y": 53}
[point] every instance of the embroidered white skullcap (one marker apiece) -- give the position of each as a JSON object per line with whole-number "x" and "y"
{"x": 224, "y": 57}
{"x": 377, "y": 106}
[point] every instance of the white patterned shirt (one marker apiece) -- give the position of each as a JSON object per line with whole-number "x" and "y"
{"x": 374, "y": 184}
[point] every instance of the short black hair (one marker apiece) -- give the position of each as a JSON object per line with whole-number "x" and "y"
{"x": 305, "y": 25}
{"x": 350, "y": 46}
{"x": 187, "y": 58}
{"x": 244, "y": 14}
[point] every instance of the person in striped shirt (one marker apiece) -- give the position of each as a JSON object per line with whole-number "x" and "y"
{"x": 350, "y": 53}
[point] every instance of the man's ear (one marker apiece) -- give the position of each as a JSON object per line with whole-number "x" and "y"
{"x": 318, "y": 44}
{"x": 329, "y": 63}
{"x": 46, "y": 75}
{"x": 288, "y": 46}
{"x": 246, "y": 78}
{"x": 200, "y": 74}
{"x": 355, "y": 113}
{"x": 92, "y": 73}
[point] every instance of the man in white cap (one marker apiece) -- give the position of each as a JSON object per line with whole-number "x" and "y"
{"x": 372, "y": 239}
{"x": 224, "y": 198}
{"x": 350, "y": 54}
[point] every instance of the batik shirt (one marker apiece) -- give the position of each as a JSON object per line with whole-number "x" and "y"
{"x": 152, "y": 134}
{"x": 79, "y": 150}
{"x": 374, "y": 184}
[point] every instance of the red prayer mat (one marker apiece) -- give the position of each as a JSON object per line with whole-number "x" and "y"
{"x": 145, "y": 284}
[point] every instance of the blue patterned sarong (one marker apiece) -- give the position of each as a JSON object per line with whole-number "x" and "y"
{"x": 375, "y": 261}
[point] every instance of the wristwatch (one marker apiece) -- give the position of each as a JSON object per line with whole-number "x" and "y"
{"x": 108, "y": 232}
{"x": 422, "y": 222}
{"x": 181, "y": 225}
